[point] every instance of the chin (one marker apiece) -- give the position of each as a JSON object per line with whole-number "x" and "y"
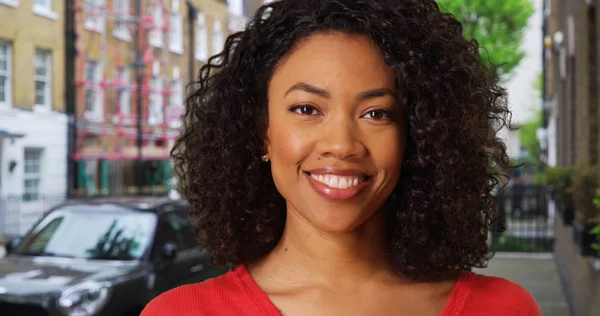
{"x": 338, "y": 220}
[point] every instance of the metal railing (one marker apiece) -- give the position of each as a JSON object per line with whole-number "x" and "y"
{"x": 18, "y": 215}
{"x": 525, "y": 224}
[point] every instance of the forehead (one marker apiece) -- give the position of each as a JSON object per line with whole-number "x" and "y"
{"x": 334, "y": 60}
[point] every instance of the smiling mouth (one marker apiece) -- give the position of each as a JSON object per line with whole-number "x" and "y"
{"x": 338, "y": 182}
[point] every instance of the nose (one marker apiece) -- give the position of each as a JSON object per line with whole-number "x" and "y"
{"x": 340, "y": 138}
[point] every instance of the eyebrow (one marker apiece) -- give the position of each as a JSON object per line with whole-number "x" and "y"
{"x": 365, "y": 95}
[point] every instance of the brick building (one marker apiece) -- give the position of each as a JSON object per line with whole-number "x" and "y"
{"x": 571, "y": 120}
{"x": 112, "y": 42}
{"x": 33, "y": 123}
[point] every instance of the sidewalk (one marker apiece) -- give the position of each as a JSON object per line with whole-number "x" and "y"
{"x": 535, "y": 272}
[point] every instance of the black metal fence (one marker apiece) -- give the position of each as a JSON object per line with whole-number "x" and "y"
{"x": 17, "y": 215}
{"x": 525, "y": 224}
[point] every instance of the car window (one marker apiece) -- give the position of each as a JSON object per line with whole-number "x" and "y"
{"x": 181, "y": 224}
{"x": 100, "y": 232}
{"x": 164, "y": 234}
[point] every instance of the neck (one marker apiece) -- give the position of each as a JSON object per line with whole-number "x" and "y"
{"x": 330, "y": 258}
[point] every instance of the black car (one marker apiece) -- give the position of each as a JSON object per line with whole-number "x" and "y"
{"x": 107, "y": 256}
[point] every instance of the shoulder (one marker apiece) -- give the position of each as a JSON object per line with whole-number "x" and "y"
{"x": 488, "y": 295}
{"x": 210, "y": 297}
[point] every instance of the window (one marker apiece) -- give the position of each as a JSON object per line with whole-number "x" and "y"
{"x": 176, "y": 98}
{"x": 176, "y": 33}
{"x": 5, "y": 73}
{"x": 122, "y": 10}
{"x": 93, "y": 94}
{"x": 201, "y": 38}
{"x": 236, "y": 7}
{"x": 32, "y": 175}
{"x": 217, "y": 39}
{"x": 156, "y": 34}
{"x": 43, "y": 78}
{"x": 43, "y": 8}
{"x": 43, "y": 4}
{"x": 155, "y": 111}
{"x": 95, "y": 18}
{"x": 123, "y": 91}
{"x": 175, "y": 29}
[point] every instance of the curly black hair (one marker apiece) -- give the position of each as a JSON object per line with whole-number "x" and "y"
{"x": 441, "y": 210}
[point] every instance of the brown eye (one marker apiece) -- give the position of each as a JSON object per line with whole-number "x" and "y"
{"x": 379, "y": 115}
{"x": 305, "y": 110}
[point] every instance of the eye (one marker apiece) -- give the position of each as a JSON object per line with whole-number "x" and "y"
{"x": 379, "y": 115}
{"x": 305, "y": 109}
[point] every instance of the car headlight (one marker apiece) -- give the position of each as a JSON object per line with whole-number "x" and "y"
{"x": 84, "y": 299}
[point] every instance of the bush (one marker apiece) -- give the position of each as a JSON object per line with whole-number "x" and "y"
{"x": 559, "y": 179}
{"x": 596, "y": 232}
{"x": 585, "y": 187}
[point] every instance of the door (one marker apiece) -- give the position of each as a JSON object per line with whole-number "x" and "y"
{"x": 199, "y": 268}
{"x": 168, "y": 273}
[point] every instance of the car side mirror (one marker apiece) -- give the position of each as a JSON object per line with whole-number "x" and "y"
{"x": 169, "y": 251}
{"x": 12, "y": 244}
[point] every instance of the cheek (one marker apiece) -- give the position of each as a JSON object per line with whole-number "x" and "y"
{"x": 289, "y": 147}
{"x": 388, "y": 152}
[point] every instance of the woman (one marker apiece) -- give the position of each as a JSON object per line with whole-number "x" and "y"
{"x": 337, "y": 154}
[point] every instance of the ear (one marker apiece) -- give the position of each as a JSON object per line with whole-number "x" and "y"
{"x": 264, "y": 134}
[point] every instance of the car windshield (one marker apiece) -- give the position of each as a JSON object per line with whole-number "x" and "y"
{"x": 94, "y": 232}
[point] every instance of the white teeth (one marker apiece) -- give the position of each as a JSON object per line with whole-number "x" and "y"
{"x": 334, "y": 182}
{"x": 344, "y": 183}
{"x": 337, "y": 182}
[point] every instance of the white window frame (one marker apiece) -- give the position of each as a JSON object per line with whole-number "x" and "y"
{"x": 217, "y": 37}
{"x": 201, "y": 37}
{"x": 97, "y": 111}
{"x": 235, "y": 7}
{"x": 121, "y": 30}
{"x": 124, "y": 91}
{"x": 156, "y": 36}
{"x": 175, "y": 28}
{"x": 43, "y": 58}
{"x": 35, "y": 175}
{"x": 7, "y": 103}
{"x": 176, "y": 97}
{"x": 97, "y": 21}
{"x": 156, "y": 98}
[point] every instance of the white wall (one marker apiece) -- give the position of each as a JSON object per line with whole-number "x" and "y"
{"x": 523, "y": 98}
{"x": 44, "y": 130}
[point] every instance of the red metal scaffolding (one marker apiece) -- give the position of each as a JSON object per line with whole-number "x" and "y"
{"x": 116, "y": 55}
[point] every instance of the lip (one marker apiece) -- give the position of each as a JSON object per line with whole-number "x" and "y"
{"x": 334, "y": 194}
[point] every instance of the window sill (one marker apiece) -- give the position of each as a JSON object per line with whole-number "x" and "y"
{"x": 10, "y": 3}
{"x": 122, "y": 35}
{"x": 176, "y": 50}
{"x": 44, "y": 12}
{"x": 93, "y": 117}
{"x": 156, "y": 44}
{"x": 39, "y": 108}
{"x": 94, "y": 28}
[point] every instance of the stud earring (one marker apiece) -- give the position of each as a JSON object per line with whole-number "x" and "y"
{"x": 265, "y": 158}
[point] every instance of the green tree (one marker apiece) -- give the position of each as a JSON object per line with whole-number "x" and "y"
{"x": 498, "y": 27}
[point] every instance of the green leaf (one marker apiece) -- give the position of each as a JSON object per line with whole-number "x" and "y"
{"x": 498, "y": 26}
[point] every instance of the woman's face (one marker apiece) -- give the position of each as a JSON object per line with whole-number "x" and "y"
{"x": 336, "y": 133}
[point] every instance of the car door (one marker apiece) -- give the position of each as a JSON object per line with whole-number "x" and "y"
{"x": 168, "y": 273}
{"x": 200, "y": 268}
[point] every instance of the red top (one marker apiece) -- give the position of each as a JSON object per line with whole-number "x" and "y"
{"x": 236, "y": 293}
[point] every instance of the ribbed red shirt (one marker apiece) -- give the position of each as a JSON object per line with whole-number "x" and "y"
{"x": 236, "y": 293}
